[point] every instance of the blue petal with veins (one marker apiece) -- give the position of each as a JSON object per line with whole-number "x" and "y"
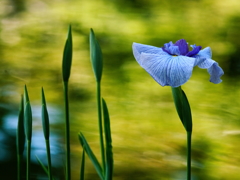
{"x": 172, "y": 65}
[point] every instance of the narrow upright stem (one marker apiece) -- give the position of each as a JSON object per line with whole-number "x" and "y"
{"x": 189, "y": 139}
{"x": 49, "y": 160}
{"x": 28, "y": 159}
{"x": 82, "y": 166}
{"x": 19, "y": 166}
{"x": 100, "y": 124}
{"x": 67, "y": 132}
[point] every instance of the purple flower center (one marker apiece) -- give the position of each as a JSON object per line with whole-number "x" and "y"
{"x": 180, "y": 48}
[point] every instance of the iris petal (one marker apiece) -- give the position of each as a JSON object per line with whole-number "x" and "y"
{"x": 195, "y": 50}
{"x": 216, "y": 72}
{"x": 206, "y": 52}
{"x": 171, "y": 49}
{"x": 204, "y": 61}
{"x": 183, "y": 46}
{"x": 140, "y": 48}
{"x": 168, "y": 70}
{"x": 213, "y": 69}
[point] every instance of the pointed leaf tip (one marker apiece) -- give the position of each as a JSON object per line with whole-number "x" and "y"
{"x": 26, "y": 97}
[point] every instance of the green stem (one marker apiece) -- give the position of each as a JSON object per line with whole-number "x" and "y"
{"x": 67, "y": 132}
{"x": 28, "y": 159}
{"x": 49, "y": 160}
{"x": 100, "y": 124}
{"x": 19, "y": 157}
{"x": 189, "y": 139}
{"x": 82, "y": 166}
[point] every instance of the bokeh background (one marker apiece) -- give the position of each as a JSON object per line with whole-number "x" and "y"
{"x": 149, "y": 140}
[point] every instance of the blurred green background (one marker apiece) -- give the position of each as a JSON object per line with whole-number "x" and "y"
{"x": 149, "y": 140}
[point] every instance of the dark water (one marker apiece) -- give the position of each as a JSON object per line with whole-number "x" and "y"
{"x": 148, "y": 138}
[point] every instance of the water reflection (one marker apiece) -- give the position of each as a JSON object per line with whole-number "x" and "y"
{"x": 38, "y": 149}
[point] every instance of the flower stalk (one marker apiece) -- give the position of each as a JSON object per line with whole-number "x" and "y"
{"x": 184, "y": 113}
{"x": 189, "y": 151}
{"x": 97, "y": 65}
{"x": 28, "y": 129}
{"x": 20, "y": 138}
{"x": 66, "y": 69}
{"x": 46, "y": 132}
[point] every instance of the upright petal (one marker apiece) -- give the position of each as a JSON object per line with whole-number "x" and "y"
{"x": 168, "y": 70}
{"x": 195, "y": 51}
{"x": 183, "y": 46}
{"x": 170, "y": 48}
{"x": 142, "y": 48}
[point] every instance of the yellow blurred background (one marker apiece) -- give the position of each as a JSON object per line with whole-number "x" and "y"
{"x": 149, "y": 141}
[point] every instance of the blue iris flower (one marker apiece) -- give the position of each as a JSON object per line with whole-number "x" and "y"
{"x": 172, "y": 65}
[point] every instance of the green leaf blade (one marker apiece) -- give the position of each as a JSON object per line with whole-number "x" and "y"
{"x": 182, "y": 107}
{"x": 187, "y": 113}
{"x": 42, "y": 165}
{"x": 91, "y": 155}
{"x": 108, "y": 139}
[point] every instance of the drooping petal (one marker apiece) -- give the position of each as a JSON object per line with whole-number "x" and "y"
{"x": 168, "y": 70}
{"x": 142, "y": 48}
{"x": 213, "y": 69}
{"x": 204, "y": 61}
{"x": 183, "y": 46}
{"x": 215, "y": 72}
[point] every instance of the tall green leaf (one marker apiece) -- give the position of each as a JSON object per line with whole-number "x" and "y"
{"x": 91, "y": 155}
{"x": 108, "y": 139}
{"x": 95, "y": 56}
{"x": 42, "y": 165}
{"x": 67, "y": 56}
